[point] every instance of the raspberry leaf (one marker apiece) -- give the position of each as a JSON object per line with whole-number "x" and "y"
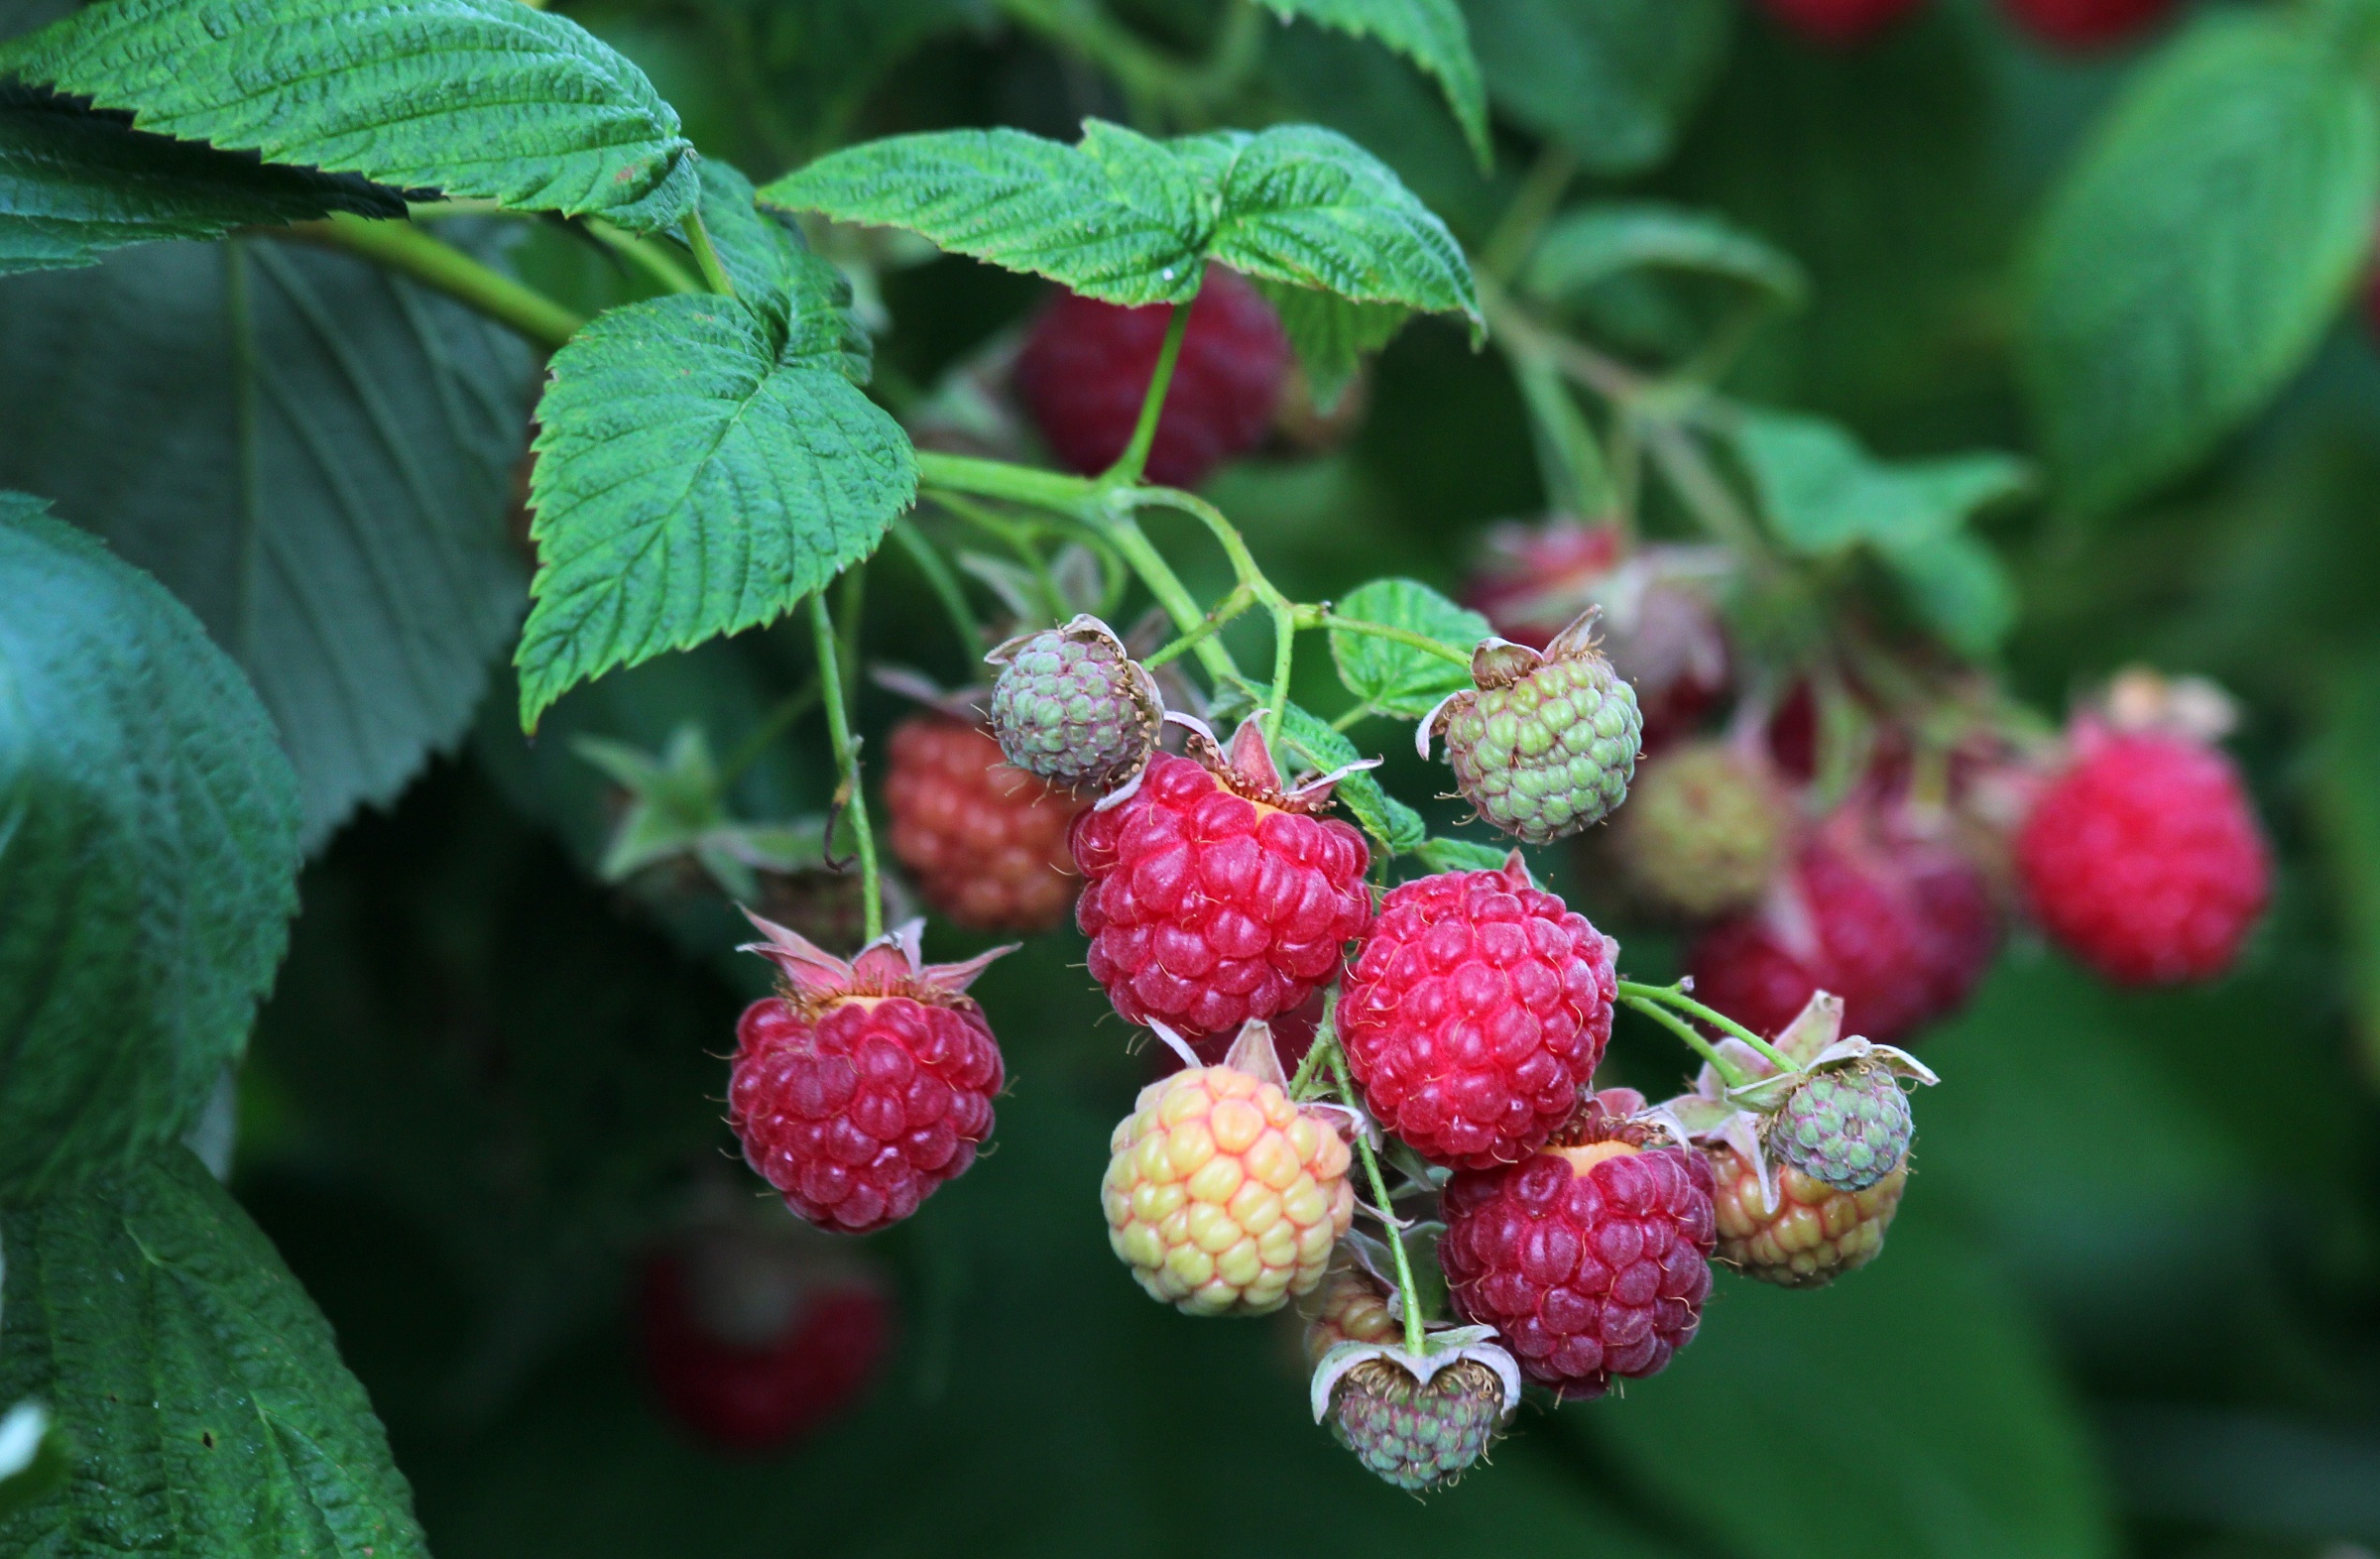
{"x": 1613, "y": 80}
{"x": 148, "y": 857}
{"x": 1589, "y": 244}
{"x": 482, "y": 99}
{"x": 806, "y": 302}
{"x": 199, "y": 1387}
{"x": 334, "y": 513}
{"x": 1331, "y": 335}
{"x": 2197, "y": 250}
{"x": 1395, "y": 827}
{"x": 1397, "y": 678}
{"x": 75, "y": 183}
{"x": 1442, "y": 854}
{"x": 1430, "y": 33}
{"x": 695, "y": 478}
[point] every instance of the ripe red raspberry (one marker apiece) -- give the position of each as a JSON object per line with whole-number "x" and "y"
{"x": 1592, "y": 1261}
{"x": 1213, "y": 895}
{"x": 1478, "y": 1008}
{"x": 750, "y": 1343}
{"x": 2144, "y": 858}
{"x": 863, "y": 1085}
{"x": 2086, "y": 23}
{"x": 985, "y": 841}
{"x": 1086, "y": 366}
{"x": 1841, "y": 22}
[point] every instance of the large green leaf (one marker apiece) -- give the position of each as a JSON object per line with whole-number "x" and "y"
{"x": 1430, "y": 33}
{"x": 199, "y": 1388}
{"x": 1911, "y": 1408}
{"x": 333, "y": 508}
{"x": 148, "y": 856}
{"x": 1612, "y": 80}
{"x": 1397, "y": 678}
{"x": 2197, "y": 250}
{"x": 774, "y": 270}
{"x": 1131, "y": 220}
{"x": 75, "y": 183}
{"x": 485, "y": 98}
{"x": 694, "y": 479}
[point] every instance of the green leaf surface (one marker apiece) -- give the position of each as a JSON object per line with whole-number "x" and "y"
{"x": 1959, "y": 586}
{"x": 1441, "y": 854}
{"x": 75, "y": 183}
{"x": 203, "y": 1398}
{"x": 1430, "y": 33}
{"x": 691, "y": 481}
{"x": 1310, "y": 743}
{"x": 1397, "y": 678}
{"x": 148, "y": 857}
{"x": 484, "y": 98}
{"x": 1131, "y": 220}
{"x": 804, "y": 300}
{"x": 1614, "y": 80}
{"x": 1592, "y": 244}
{"x": 2197, "y": 250}
{"x": 1938, "y": 1401}
{"x": 1332, "y": 336}
{"x": 333, "y": 507}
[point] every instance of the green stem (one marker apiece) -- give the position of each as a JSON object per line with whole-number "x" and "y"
{"x": 1406, "y": 1286}
{"x": 644, "y": 253}
{"x": 1127, "y": 469}
{"x": 1403, "y": 636}
{"x": 408, "y": 249}
{"x": 847, "y": 628}
{"x": 1229, "y": 607}
{"x": 847, "y": 763}
{"x": 1673, "y": 997}
{"x": 1019, "y": 484}
{"x": 1283, "y": 610}
{"x": 1517, "y": 231}
{"x": 1284, "y": 652}
{"x": 1685, "y": 1030}
{"x": 1164, "y": 584}
{"x": 942, "y": 582}
{"x": 706, "y": 258}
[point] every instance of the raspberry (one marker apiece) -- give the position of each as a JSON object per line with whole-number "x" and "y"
{"x": 2086, "y": 23}
{"x": 1412, "y": 1434}
{"x": 1840, "y": 21}
{"x": 1704, "y": 832}
{"x": 1846, "y": 1126}
{"x": 1543, "y": 745}
{"x": 985, "y": 842}
{"x": 1214, "y": 896}
{"x": 1073, "y": 707}
{"x": 1816, "y": 1233}
{"x": 863, "y": 1085}
{"x": 1659, "y": 630}
{"x": 1353, "y": 1309}
{"x": 1085, "y": 369}
{"x": 749, "y": 1346}
{"x": 1589, "y": 1259}
{"x": 2144, "y": 858}
{"x": 1223, "y": 1196}
{"x": 1477, "y": 1010}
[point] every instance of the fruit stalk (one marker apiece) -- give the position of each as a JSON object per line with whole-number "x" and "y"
{"x": 1326, "y": 1044}
{"x": 1735, "y": 1075}
{"x": 1636, "y": 994}
{"x": 847, "y": 765}
{"x": 1128, "y": 467}
{"x": 706, "y": 258}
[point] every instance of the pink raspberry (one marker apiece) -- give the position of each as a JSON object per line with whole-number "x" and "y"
{"x": 2077, "y": 25}
{"x": 1087, "y": 364}
{"x": 1478, "y": 1008}
{"x": 866, "y": 1084}
{"x": 1213, "y": 895}
{"x": 1592, "y": 1261}
{"x": 2144, "y": 858}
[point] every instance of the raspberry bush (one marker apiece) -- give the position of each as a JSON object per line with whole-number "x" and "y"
{"x": 1333, "y": 493}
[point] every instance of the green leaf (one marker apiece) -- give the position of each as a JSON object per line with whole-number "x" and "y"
{"x": 2197, "y": 250}
{"x": 1131, "y": 220}
{"x": 484, "y": 98}
{"x": 691, "y": 481}
{"x": 32, "y": 1464}
{"x": 1430, "y": 33}
{"x": 1331, "y": 335}
{"x": 1959, "y": 587}
{"x": 148, "y": 856}
{"x": 1115, "y": 216}
{"x": 804, "y": 300}
{"x": 75, "y": 183}
{"x": 1442, "y": 854}
{"x": 1593, "y": 244}
{"x": 1937, "y": 1395}
{"x": 1393, "y": 826}
{"x": 1396, "y": 678}
{"x": 204, "y": 1399}
{"x": 333, "y": 508}
{"x": 1613, "y": 80}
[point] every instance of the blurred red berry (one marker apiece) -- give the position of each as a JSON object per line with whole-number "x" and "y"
{"x": 1840, "y": 21}
{"x": 984, "y": 841}
{"x": 2086, "y": 23}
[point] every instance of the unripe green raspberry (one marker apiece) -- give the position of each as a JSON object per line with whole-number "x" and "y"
{"x": 1704, "y": 832}
{"x": 1223, "y": 1196}
{"x": 1413, "y": 1435}
{"x": 1846, "y": 1127}
{"x": 1073, "y": 707}
{"x": 1544, "y": 744}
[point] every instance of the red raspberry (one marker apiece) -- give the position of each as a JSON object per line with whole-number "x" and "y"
{"x": 1478, "y": 1008}
{"x": 1592, "y": 1261}
{"x": 2144, "y": 858}
{"x": 985, "y": 841}
{"x": 1840, "y": 21}
{"x": 1085, "y": 367}
{"x": 2084, "y": 24}
{"x": 1214, "y": 896}
{"x": 866, "y": 1084}
{"x": 749, "y": 1344}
